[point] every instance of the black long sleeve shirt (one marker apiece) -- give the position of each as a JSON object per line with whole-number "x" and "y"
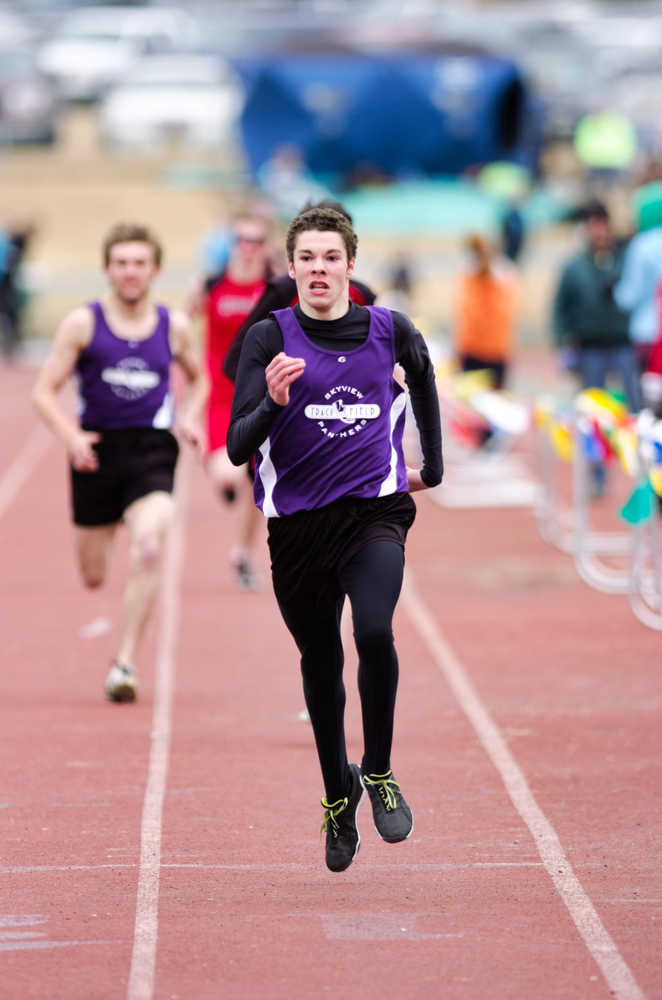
{"x": 254, "y": 411}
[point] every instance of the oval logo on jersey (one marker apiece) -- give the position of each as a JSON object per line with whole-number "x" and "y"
{"x": 130, "y": 378}
{"x": 342, "y": 413}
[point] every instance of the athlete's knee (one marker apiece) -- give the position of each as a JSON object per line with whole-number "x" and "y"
{"x": 373, "y": 640}
{"x": 146, "y": 552}
{"x": 93, "y": 577}
{"x": 93, "y": 569}
{"x": 321, "y": 664}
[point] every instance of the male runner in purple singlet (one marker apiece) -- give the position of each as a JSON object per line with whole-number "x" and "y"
{"x": 317, "y": 406}
{"x": 121, "y": 448}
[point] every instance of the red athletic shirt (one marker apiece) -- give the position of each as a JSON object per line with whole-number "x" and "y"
{"x": 227, "y": 305}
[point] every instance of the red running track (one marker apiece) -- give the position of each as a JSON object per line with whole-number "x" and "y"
{"x": 170, "y": 849}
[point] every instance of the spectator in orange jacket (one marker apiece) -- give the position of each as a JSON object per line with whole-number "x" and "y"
{"x": 487, "y": 305}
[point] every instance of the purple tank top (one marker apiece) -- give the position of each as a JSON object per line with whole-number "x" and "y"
{"x": 125, "y": 383}
{"x": 341, "y": 433}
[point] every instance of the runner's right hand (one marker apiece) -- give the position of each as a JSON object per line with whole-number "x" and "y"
{"x": 81, "y": 451}
{"x": 280, "y": 373}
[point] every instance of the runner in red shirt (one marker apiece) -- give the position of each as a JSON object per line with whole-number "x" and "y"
{"x": 225, "y": 301}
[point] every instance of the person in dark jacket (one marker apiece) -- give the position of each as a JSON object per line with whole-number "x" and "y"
{"x": 587, "y": 320}
{"x": 14, "y": 242}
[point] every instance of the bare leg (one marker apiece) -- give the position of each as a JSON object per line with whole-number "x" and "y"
{"x": 231, "y": 484}
{"x": 148, "y": 520}
{"x": 226, "y": 478}
{"x": 251, "y": 520}
{"x": 93, "y": 551}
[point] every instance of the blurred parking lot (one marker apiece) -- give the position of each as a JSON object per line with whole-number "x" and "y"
{"x": 141, "y": 109}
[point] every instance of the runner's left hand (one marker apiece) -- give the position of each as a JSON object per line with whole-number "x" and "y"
{"x": 414, "y": 480}
{"x": 192, "y": 433}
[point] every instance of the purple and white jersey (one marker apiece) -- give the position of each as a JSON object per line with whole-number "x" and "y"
{"x": 125, "y": 383}
{"x": 341, "y": 433}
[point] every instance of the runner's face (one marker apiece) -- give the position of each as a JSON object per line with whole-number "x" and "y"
{"x": 250, "y": 244}
{"x": 321, "y": 270}
{"x": 130, "y": 271}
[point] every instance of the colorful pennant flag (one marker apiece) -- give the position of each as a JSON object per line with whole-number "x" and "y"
{"x": 625, "y": 445}
{"x": 641, "y": 504}
{"x": 561, "y": 439}
{"x": 606, "y": 408}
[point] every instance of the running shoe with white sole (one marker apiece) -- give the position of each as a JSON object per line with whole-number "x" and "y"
{"x": 393, "y": 817}
{"x": 245, "y": 576}
{"x": 342, "y": 833}
{"x": 121, "y": 683}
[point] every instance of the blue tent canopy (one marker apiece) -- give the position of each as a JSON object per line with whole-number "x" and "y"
{"x": 400, "y": 114}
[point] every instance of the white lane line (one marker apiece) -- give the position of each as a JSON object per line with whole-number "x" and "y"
{"x": 32, "y": 869}
{"x": 602, "y": 948}
{"x": 143, "y": 958}
{"x": 284, "y": 868}
{"x": 20, "y": 469}
{"x": 46, "y": 945}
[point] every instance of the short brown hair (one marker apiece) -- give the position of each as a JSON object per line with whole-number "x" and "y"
{"x": 324, "y": 220}
{"x": 131, "y": 232}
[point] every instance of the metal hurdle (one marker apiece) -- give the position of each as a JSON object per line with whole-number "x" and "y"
{"x": 645, "y": 589}
{"x": 571, "y": 531}
{"x": 590, "y": 546}
{"x": 569, "y": 528}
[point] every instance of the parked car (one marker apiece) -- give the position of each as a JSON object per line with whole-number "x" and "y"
{"x": 14, "y": 28}
{"x": 28, "y": 102}
{"x": 95, "y": 46}
{"x": 193, "y": 98}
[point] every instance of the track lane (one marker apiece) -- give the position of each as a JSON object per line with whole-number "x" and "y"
{"x": 246, "y": 907}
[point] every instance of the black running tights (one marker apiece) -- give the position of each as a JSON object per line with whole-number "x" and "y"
{"x": 372, "y": 580}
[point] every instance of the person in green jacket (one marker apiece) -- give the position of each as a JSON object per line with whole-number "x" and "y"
{"x": 587, "y": 322}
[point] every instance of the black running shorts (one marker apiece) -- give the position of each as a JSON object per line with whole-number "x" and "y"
{"x": 309, "y": 548}
{"x": 133, "y": 462}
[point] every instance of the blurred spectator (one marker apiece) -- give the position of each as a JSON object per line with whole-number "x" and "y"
{"x": 513, "y": 232}
{"x": 636, "y": 290}
{"x": 651, "y": 379}
{"x": 397, "y": 294}
{"x": 215, "y": 249}
{"x": 14, "y": 241}
{"x": 285, "y": 180}
{"x": 586, "y": 318}
{"x": 487, "y": 304}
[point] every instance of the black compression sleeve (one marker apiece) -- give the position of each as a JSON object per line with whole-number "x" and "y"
{"x": 253, "y": 409}
{"x": 411, "y": 352}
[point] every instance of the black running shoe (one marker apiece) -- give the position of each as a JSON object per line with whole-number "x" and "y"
{"x": 342, "y": 834}
{"x": 393, "y": 819}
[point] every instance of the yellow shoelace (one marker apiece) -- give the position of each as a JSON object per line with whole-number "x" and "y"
{"x": 386, "y": 785}
{"x": 331, "y": 810}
